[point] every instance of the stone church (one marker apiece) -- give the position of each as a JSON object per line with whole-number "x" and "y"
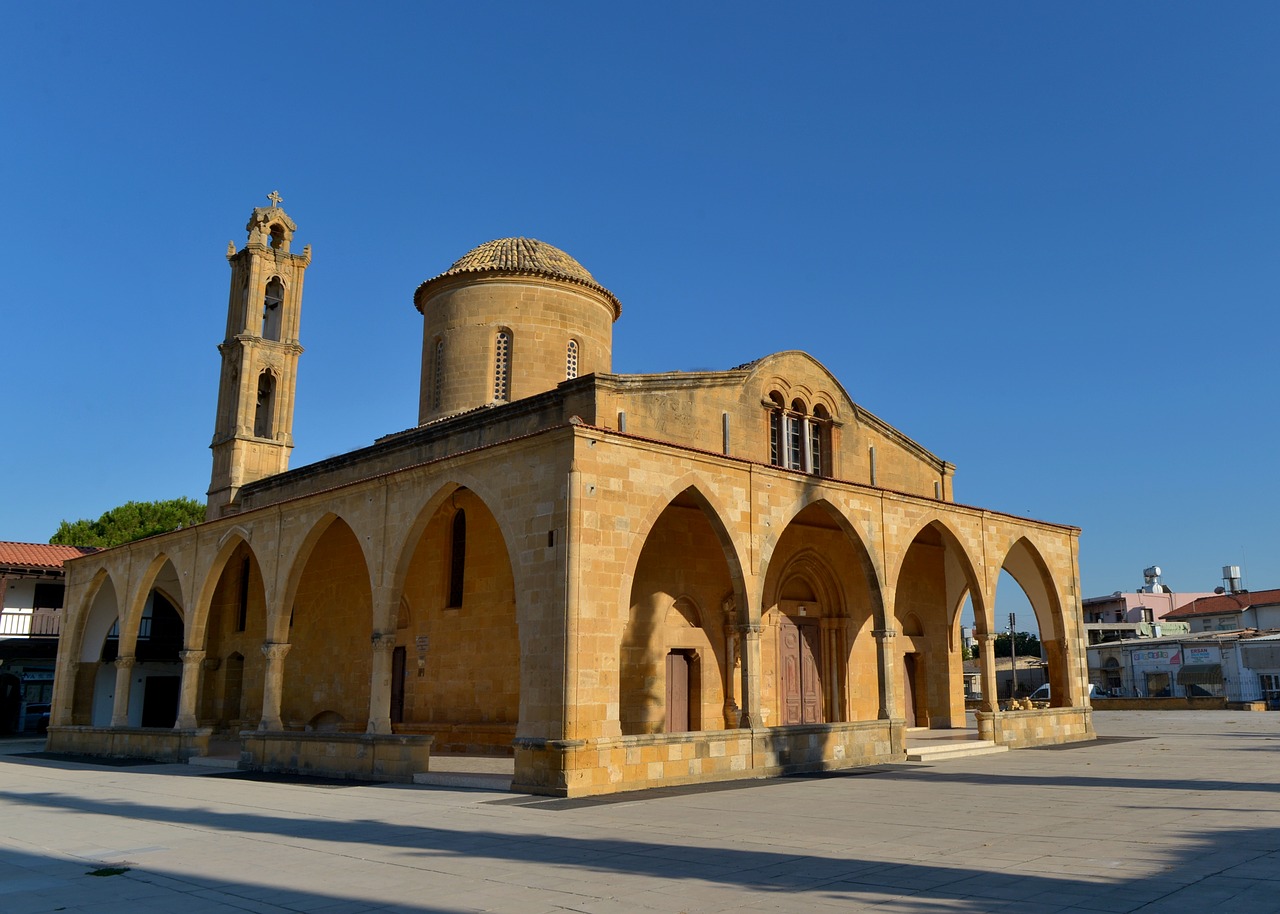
{"x": 620, "y": 580}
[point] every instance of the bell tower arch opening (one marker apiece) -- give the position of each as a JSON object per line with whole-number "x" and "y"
{"x": 253, "y": 428}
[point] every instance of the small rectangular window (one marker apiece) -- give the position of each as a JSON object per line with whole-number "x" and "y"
{"x": 48, "y": 596}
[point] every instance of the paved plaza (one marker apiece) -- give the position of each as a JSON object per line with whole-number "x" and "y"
{"x": 1169, "y": 811}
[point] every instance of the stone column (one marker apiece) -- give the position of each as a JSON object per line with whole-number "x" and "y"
{"x": 830, "y": 668}
{"x": 987, "y": 645}
{"x": 380, "y": 683}
{"x": 64, "y": 694}
{"x": 750, "y": 642}
{"x": 273, "y": 684}
{"x": 124, "y": 677}
{"x": 732, "y": 713}
{"x": 887, "y": 656}
{"x": 192, "y": 664}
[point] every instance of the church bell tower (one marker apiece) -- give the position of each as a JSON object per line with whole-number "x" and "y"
{"x": 253, "y": 431}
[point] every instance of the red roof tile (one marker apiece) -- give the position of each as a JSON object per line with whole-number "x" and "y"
{"x": 1225, "y": 603}
{"x": 40, "y": 555}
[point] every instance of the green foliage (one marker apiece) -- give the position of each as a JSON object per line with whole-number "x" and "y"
{"x": 966, "y": 652}
{"x": 1028, "y": 645}
{"x": 133, "y": 520}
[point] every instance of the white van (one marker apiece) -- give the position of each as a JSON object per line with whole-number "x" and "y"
{"x": 1042, "y": 693}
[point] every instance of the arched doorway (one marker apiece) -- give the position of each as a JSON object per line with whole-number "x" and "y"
{"x": 818, "y": 658}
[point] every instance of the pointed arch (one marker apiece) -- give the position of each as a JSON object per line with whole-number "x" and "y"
{"x": 696, "y": 489}
{"x": 151, "y": 579}
{"x": 1026, "y": 565}
{"x": 868, "y": 559}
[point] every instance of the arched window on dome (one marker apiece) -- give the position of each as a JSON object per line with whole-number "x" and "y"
{"x": 571, "y": 361}
{"x": 272, "y": 309}
{"x": 437, "y": 374}
{"x": 502, "y": 367}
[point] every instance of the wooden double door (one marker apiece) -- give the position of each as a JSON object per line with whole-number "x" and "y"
{"x": 799, "y": 671}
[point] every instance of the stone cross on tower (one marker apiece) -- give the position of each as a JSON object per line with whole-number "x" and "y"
{"x": 274, "y": 197}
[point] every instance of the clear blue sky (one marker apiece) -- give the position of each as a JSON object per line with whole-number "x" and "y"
{"x": 1039, "y": 238}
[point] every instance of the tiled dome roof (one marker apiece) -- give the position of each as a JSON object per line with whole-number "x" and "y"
{"x": 526, "y": 256}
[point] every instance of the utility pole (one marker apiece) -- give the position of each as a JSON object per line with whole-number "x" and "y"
{"x": 1013, "y": 655}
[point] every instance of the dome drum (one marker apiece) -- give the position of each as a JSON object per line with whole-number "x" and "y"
{"x": 511, "y": 319}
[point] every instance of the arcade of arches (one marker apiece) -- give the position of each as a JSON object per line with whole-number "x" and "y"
{"x": 621, "y": 581}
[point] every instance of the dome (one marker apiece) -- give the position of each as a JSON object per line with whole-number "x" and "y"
{"x": 526, "y": 256}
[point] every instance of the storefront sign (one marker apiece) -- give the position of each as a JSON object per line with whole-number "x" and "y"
{"x": 1200, "y": 655}
{"x": 1170, "y": 656}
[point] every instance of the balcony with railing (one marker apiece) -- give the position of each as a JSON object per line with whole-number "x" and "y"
{"x": 41, "y": 623}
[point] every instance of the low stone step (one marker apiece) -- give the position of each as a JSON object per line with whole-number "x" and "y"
{"x": 469, "y": 780}
{"x": 947, "y": 751}
{"x": 214, "y": 761}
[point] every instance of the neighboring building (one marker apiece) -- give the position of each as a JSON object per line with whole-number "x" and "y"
{"x": 1142, "y": 614}
{"x": 623, "y": 580}
{"x": 1231, "y": 611}
{"x": 1240, "y": 665}
{"x": 31, "y": 593}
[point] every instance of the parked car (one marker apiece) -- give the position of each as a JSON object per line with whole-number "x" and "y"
{"x": 1042, "y": 693}
{"x": 37, "y": 719}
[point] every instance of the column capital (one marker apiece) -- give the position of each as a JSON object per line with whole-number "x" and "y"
{"x": 383, "y": 642}
{"x": 750, "y": 628}
{"x": 126, "y": 662}
{"x": 191, "y": 657}
{"x": 884, "y": 634}
{"x": 275, "y": 650}
{"x": 985, "y": 637}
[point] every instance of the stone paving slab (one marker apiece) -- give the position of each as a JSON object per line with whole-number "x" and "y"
{"x": 1170, "y": 812}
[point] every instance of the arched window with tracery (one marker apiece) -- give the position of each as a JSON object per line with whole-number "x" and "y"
{"x": 799, "y": 439}
{"x": 457, "y": 558}
{"x": 571, "y": 361}
{"x": 272, "y": 309}
{"x": 502, "y": 366}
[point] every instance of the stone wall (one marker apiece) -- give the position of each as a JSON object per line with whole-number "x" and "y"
{"x": 162, "y": 745}
{"x": 591, "y": 767}
{"x": 357, "y": 756}
{"x": 1042, "y": 727}
{"x": 1159, "y": 704}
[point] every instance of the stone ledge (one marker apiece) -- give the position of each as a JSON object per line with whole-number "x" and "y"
{"x": 357, "y": 756}
{"x": 163, "y": 744}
